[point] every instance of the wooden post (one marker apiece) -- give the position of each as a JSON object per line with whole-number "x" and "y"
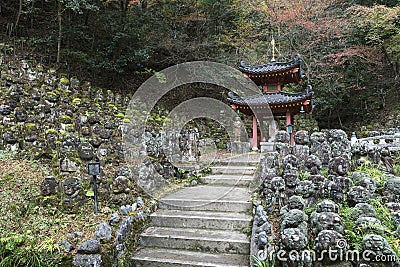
{"x": 255, "y": 143}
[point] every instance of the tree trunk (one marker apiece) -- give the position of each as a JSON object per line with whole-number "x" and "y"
{"x": 18, "y": 15}
{"x": 59, "y": 17}
{"x": 340, "y": 120}
{"x": 32, "y": 13}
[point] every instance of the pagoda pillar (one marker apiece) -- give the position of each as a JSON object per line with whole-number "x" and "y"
{"x": 289, "y": 126}
{"x": 293, "y": 131}
{"x": 255, "y": 143}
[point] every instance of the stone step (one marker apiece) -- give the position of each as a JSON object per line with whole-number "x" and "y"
{"x": 236, "y": 170}
{"x": 151, "y": 257}
{"x": 235, "y": 162}
{"x": 235, "y": 206}
{"x": 208, "y": 197}
{"x": 210, "y": 241}
{"x": 200, "y": 219}
{"x": 231, "y": 180}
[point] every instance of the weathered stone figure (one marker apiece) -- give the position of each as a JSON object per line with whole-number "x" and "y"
{"x": 49, "y": 186}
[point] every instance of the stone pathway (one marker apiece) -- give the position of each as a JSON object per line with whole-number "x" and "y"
{"x": 203, "y": 225}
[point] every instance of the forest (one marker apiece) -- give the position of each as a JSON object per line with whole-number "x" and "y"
{"x": 350, "y": 49}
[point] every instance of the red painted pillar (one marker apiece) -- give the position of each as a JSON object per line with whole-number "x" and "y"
{"x": 255, "y": 143}
{"x": 293, "y": 131}
{"x": 289, "y": 122}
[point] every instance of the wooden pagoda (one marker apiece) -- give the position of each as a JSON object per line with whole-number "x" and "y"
{"x": 272, "y": 77}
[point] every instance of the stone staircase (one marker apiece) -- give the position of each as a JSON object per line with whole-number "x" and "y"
{"x": 202, "y": 225}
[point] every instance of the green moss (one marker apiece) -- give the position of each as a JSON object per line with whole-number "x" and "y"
{"x": 120, "y": 115}
{"x": 29, "y": 126}
{"x": 53, "y": 131}
{"x": 69, "y": 127}
{"x": 51, "y": 94}
{"x": 76, "y": 101}
{"x": 65, "y": 119}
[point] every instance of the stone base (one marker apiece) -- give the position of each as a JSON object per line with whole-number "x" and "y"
{"x": 267, "y": 147}
{"x": 240, "y": 147}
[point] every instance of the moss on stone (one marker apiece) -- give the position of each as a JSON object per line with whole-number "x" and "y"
{"x": 48, "y": 131}
{"x": 76, "y": 101}
{"x": 120, "y": 115}
{"x": 65, "y": 119}
{"x": 29, "y": 126}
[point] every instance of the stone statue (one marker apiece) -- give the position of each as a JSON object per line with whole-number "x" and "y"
{"x": 326, "y": 206}
{"x": 364, "y": 209}
{"x": 295, "y": 219}
{"x": 85, "y": 151}
{"x": 369, "y": 224}
{"x": 313, "y": 164}
{"x": 273, "y": 128}
{"x": 275, "y": 194}
{"x": 338, "y": 166}
{"x": 326, "y": 221}
{"x": 340, "y": 145}
{"x": 306, "y": 190}
{"x": 318, "y": 182}
{"x": 72, "y": 194}
{"x": 236, "y": 129}
{"x": 49, "y": 186}
{"x": 329, "y": 240}
{"x": 291, "y": 181}
{"x": 358, "y": 194}
{"x": 294, "y": 202}
{"x": 293, "y": 239}
{"x": 378, "y": 247}
{"x": 391, "y": 189}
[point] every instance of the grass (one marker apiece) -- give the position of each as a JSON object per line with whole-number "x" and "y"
{"x": 30, "y": 229}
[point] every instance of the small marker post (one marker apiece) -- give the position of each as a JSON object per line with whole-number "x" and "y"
{"x": 94, "y": 170}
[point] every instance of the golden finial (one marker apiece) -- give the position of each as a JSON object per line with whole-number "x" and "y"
{"x": 273, "y": 48}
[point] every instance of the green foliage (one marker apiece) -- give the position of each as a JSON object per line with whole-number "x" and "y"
{"x": 257, "y": 262}
{"x": 303, "y": 175}
{"x": 383, "y": 213}
{"x": 344, "y": 46}
{"x": 20, "y": 250}
{"x": 354, "y": 234}
{"x": 373, "y": 172}
{"x": 247, "y": 230}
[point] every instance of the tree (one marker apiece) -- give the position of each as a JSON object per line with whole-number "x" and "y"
{"x": 77, "y": 6}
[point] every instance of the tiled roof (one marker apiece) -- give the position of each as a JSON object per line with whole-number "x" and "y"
{"x": 270, "y": 99}
{"x": 271, "y": 67}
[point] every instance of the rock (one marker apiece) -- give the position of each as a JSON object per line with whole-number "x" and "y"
{"x": 134, "y": 206}
{"x": 71, "y": 236}
{"x": 5, "y": 110}
{"x": 87, "y": 260}
{"x": 91, "y": 246}
{"x": 124, "y": 210}
{"x": 256, "y": 203}
{"x": 114, "y": 219}
{"x": 123, "y": 230}
{"x": 104, "y": 232}
{"x": 68, "y": 246}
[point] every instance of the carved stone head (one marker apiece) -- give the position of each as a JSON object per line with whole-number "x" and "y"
{"x": 301, "y": 138}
